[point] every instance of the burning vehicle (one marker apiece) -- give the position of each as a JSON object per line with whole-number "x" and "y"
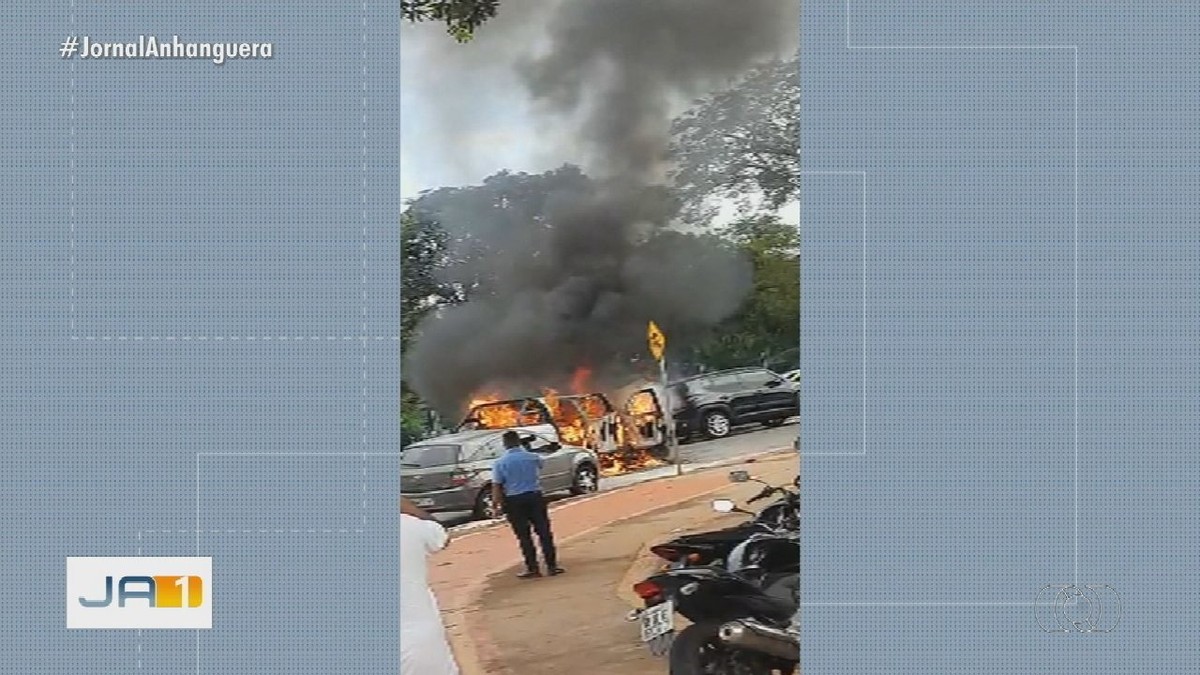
{"x": 624, "y": 439}
{"x": 527, "y": 414}
{"x": 644, "y": 419}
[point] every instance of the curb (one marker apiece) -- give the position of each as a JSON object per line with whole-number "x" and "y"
{"x": 624, "y": 590}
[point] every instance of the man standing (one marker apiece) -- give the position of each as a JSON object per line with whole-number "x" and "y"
{"x": 517, "y": 493}
{"x": 423, "y": 646}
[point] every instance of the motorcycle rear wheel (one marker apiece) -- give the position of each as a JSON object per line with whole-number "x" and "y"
{"x": 698, "y": 651}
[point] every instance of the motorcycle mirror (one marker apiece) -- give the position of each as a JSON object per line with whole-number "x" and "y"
{"x": 723, "y": 506}
{"x": 739, "y": 476}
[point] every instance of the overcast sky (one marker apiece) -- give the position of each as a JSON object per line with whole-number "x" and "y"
{"x": 465, "y": 114}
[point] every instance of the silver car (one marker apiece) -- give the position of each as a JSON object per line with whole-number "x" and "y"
{"x": 454, "y": 472}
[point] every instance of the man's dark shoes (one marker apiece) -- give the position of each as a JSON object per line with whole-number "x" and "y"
{"x": 529, "y": 574}
{"x": 556, "y": 570}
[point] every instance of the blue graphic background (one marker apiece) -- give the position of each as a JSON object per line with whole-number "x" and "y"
{"x": 209, "y": 288}
{"x": 999, "y": 396}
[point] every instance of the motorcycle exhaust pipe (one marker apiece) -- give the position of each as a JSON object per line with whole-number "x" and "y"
{"x": 755, "y": 637}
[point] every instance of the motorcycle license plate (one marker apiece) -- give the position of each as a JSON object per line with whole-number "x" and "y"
{"x": 657, "y": 621}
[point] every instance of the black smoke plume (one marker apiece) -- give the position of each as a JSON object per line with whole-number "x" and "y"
{"x": 564, "y": 270}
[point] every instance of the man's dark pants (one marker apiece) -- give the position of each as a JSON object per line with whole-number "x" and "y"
{"x": 526, "y": 511}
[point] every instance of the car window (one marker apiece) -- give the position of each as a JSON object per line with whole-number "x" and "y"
{"x": 539, "y": 443}
{"x": 595, "y": 406}
{"x": 427, "y": 456}
{"x": 724, "y": 383}
{"x": 484, "y": 451}
{"x": 757, "y": 379}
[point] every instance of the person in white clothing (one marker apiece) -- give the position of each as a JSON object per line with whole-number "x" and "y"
{"x": 424, "y": 649}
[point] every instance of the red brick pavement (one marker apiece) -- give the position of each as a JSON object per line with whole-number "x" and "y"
{"x": 459, "y": 572}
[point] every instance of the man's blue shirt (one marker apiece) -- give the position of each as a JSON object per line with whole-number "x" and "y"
{"x": 517, "y": 472}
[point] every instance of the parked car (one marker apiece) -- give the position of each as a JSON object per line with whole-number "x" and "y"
{"x": 782, "y": 362}
{"x": 713, "y": 404}
{"x": 454, "y": 472}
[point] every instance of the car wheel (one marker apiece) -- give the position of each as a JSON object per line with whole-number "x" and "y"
{"x": 717, "y": 424}
{"x": 778, "y": 421}
{"x": 586, "y": 480}
{"x": 485, "y": 508}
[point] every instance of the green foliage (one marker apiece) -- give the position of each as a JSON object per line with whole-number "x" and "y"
{"x": 741, "y": 144}
{"x": 461, "y": 17}
{"x": 769, "y": 321}
{"x": 424, "y": 253}
{"x": 505, "y": 218}
{"x": 481, "y": 223}
{"x": 424, "y": 250}
{"x": 412, "y": 419}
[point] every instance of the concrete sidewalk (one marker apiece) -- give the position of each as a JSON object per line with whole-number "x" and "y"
{"x": 459, "y": 573}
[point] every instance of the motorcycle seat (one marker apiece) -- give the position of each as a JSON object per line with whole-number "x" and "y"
{"x": 733, "y": 534}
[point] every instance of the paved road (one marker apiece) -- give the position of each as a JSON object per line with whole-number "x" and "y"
{"x": 753, "y": 438}
{"x": 746, "y": 441}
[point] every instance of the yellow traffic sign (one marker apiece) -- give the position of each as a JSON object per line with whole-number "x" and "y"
{"x": 658, "y": 341}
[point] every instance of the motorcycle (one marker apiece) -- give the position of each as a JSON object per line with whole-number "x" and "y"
{"x": 741, "y": 614}
{"x": 706, "y": 548}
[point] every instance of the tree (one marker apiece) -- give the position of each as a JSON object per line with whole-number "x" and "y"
{"x": 461, "y": 17}
{"x": 424, "y": 250}
{"x": 769, "y": 320}
{"x": 502, "y": 219}
{"x": 741, "y": 144}
{"x": 413, "y": 426}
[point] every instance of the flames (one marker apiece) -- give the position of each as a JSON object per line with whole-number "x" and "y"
{"x": 581, "y": 418}
{"x": 642, "y": 405}
{"x": 490, "y": 412}
{"x": 638, "y": 420}
{"x": 580, "y": 381}
{"x": 627, "y": 461}
{"x": 593, "y": 406}
{"x": 571, "y": 424}
{"x": 483, "y": 399}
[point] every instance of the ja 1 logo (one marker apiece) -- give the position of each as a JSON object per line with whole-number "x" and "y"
{"x": 160, "y": 591}
{"x": 139, "y": 592}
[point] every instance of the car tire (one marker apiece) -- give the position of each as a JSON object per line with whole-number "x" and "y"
{"x": 587, "y": 480}
{"x": 484, "y": 508}
{"x": 717, "y": 424}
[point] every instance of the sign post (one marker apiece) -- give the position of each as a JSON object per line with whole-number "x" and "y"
{"x": 658, "y": 347}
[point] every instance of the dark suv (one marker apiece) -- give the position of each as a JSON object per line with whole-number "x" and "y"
{"x": 713, "y": 404}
